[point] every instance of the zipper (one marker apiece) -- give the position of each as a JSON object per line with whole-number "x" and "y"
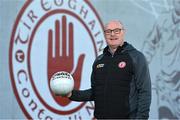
{"x": 108, "y": 67}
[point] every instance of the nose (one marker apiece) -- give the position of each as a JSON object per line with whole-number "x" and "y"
{"x": 112, "y": 32}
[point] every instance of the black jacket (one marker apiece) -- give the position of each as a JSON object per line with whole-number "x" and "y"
{"x": 120, "y": 85}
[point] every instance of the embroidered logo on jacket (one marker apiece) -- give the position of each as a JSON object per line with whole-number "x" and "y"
{"x": 122, "y": 64}
{"x": 100, "y": 66}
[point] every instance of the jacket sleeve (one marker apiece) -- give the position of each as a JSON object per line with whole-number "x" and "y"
{"x": 84, "y": 95}
{"x": 81, "y": 95}
{"x": 143, "y": 85}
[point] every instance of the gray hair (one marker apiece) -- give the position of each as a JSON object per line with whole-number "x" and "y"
{"x": 116, "y": 21}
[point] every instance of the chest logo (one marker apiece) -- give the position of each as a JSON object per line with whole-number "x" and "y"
{"x": 100, "y": 66}
{"x": 122, "y": 64}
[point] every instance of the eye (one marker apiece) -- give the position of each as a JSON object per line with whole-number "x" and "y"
{"x": 107, "y": 31}
{"x": 117, "y": 30}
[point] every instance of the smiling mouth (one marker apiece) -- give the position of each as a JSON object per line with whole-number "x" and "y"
{"x": 113, "y": 38}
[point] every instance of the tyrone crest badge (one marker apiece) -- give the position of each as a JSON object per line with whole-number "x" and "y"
{"x": 51, "y": 36}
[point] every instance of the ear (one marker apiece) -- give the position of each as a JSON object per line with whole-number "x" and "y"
{"x": 123, "y": 32}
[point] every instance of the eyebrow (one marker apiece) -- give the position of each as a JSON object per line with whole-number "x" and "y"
{"x": 114, "y": 29}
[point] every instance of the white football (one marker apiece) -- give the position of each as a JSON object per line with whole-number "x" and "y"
{"x": 62, "y": 83}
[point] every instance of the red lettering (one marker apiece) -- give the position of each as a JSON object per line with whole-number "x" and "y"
{"x": 71, "y": 5}
{"x": 96, "y": 34}
{"x": 22, "y": 73}
{"x": 40, "y": 112}
{"x": 25, "y": 24}
{"x": 88, "y": 108}
{"x": 19, "y": 56}
{"x": 58, "y": 2}
{"x": 85, "y": 12}
{"x": 92, "y": 23}
{"x": 33, "y": 104}
{"x": 48, "y": 118}
{"x": 32, "y": 16}
{"x": 101, "y": 45}
{"x": 45, "y": 5}
{"x": 18, "y": 38}
{"x": 25, "y": 92}
{"x": 75, "y": 117}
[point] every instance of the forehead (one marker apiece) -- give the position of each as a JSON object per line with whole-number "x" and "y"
{"x": 113, "y": 25}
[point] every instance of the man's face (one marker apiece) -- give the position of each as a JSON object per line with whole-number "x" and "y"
{"x": 114, "y": 34}
{"x": 177, "y": 6}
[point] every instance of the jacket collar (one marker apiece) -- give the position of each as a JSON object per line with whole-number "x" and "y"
{"x": 119, "y": 49}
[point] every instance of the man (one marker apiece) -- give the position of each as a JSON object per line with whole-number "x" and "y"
{"x": 165, "y": 37}
{"x": 120, "y": 80}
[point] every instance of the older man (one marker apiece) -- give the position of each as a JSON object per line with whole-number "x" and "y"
{"x": 120, "y": 80}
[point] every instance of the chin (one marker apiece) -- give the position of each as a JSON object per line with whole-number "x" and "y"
{"x": 114, "y": 46}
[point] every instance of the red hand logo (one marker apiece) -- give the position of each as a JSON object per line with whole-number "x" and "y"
{"x": 64, "y": 62}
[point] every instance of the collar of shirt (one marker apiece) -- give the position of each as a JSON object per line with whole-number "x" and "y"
{"x": 118, "y": 50}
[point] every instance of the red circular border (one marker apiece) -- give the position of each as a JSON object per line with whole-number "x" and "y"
{"x": 11, "y": 48}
